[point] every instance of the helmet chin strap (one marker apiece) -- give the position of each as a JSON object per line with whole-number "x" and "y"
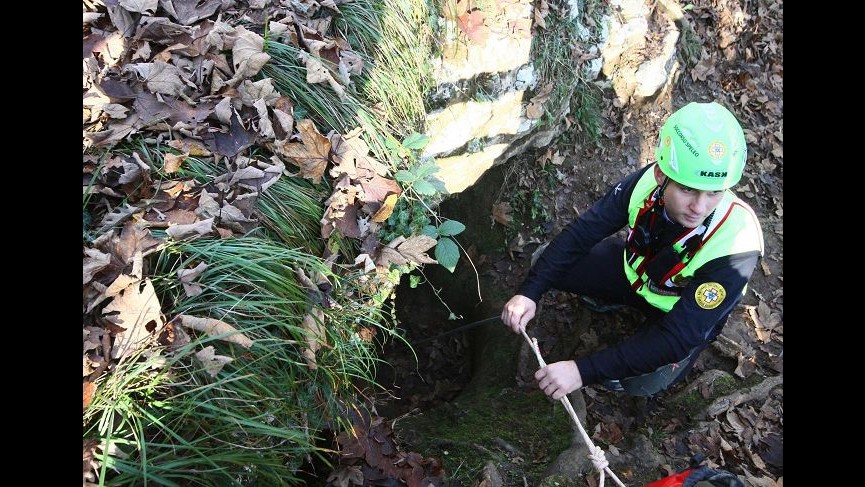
{"x": 663, "y": 186}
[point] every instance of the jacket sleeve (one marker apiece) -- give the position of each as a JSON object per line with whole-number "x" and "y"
{"x": 687, "y": 325}
{"x": 604, "y": 218}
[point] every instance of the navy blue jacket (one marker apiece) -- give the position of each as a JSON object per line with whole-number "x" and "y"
{"x": 659, "y": 342}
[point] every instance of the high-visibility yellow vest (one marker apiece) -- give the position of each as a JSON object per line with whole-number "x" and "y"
{"x": 734, "y": 229}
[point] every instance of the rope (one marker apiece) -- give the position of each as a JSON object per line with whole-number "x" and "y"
{"x": 596, "y": 455}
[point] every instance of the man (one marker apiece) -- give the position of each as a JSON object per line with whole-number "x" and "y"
{"x": 691, "y": 247}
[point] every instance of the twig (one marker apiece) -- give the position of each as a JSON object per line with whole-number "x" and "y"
{"x": 436, "y": 291}
{"x": 477, "y": 276}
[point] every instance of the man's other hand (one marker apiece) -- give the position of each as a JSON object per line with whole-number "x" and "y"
{"x": 559, "y": 378}
{"x": 518, "y": 311}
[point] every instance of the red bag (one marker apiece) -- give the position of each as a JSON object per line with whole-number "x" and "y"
{"x": 672, "y": 480}
{"x": 704, "y": 475}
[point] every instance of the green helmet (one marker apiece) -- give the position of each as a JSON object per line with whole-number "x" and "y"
{"x": 702, "y": 146}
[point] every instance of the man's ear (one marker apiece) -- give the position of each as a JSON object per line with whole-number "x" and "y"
{"x": 659, "y": 175}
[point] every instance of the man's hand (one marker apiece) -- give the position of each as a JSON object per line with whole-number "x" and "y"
{"x": 518, "y": 311}
{"x": 560, "y": 378}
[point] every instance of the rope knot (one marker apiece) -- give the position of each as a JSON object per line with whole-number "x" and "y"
{"x": 599, "y": 460}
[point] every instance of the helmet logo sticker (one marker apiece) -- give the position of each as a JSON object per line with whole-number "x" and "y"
{"x": 709, "y": 295}
{"x": 674, "y": 161}
{"x": 716, "y": 150}
{"x": 667, "y": 141}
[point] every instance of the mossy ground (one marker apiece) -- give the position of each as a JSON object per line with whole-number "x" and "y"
{"x": 520, "y": 431}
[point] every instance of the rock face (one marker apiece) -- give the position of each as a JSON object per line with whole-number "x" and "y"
{"x": 483, "y": 74}
{"x": 638, "y": 68}
{"x": 481, "y": 112}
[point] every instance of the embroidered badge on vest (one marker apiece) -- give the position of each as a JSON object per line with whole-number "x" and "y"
{"x": 709, "y": 295}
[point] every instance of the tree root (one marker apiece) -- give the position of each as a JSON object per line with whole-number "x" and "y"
{"x": 759, "y": 391}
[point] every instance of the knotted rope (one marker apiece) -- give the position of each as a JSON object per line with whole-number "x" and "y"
{"x": 596, "y": 455}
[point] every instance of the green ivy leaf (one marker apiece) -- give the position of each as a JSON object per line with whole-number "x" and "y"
{"x": 391, "y": 143}
{"x": 447, "y": 253}
{"x": 404, "y": 176}
{"x": 415, "y": 141}
{"x": 438, "y": 184}
{"x": 430, "y": 231}
{"x": 424, "y": 188}
{"x": 425, "y": 170}
{"x": 413, "y": 281}
{"x": 393, "y": 275}
{"x": 451, "y": 228}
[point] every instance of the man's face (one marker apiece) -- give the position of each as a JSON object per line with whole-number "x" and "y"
{"x": 687, "y": 206}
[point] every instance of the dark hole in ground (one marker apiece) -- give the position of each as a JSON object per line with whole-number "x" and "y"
{"x": 430, "y": 371}
{"x": 432, "y": 368}
{"x": 438, "y": 369}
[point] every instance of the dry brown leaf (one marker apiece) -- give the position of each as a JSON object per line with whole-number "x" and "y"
{"x": 220, "y": 37}
{"x": 122, "y": 19}
{"x": 216, "y": 328}
{"x": 745, "y": 367}
{"x": 188, "y": 12}
{"x": 132, "y": 242}
{"x": 762, "y": 334}
{"x": 502, "y": 213}
{"x": 316, "y": 72}
{"x": 89, "y": 391}
{"x": 224, "y": 110}
{"x": 311, "y": 155}
{"x": 703, "y": 69}
{"x": 313, "y": 323}
{"x": 472, "y": 24}
{"x": 187, "y": 278}
{"x": 534, "y": 110}
{"x": 415, "y": 247}
{"x": 114, "y": 110}
{"x": 191, "y": 230}
{"x": 349, "y": 63}
{"x": 89, "y": 366}
{"x": 368, "y": 264}
{"x": 230, "y": 215}
{"x": 172, "y": 162}
{"x": 163, "y": 78}
{"x": 346, "y": 475}
{"x": 377, "y": 189}
{"x": 341, "y": 213}
{"x": 120, "y": 283}
{"x": 386, "y": 208}
{"x": 94, "y": 261}
{"x": 283, "y": 109}
{"x": 253, "y": 91}
{"x": 137, "y": 311}
{"x": 213, "y": 363}
{"x": 140, "y": 6}
{"x": 248, "y": 56}
{"x": 251, "y": 177}
{"x": 389, "y": 256}
{"x": 116, "y": 131}
{"x": 190, "y": 147}
{"x": 265, "y": 126}
{"x": 542, "y": 9}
